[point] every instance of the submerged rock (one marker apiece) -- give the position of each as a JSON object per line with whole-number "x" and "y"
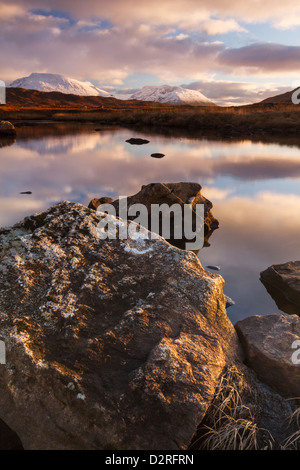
{"x": 157, "y": 155}
{"x": 7, "y": 129}
{"x": 104, "y": 349}
{"x": 137, "y": 141}
{"x": 270, "y": 343}
{"x": 229, "y": 301}
{"x": 215, "y": 268}
{"x": 282, "y": 281}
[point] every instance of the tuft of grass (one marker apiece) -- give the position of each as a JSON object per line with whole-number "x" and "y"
{"x": 292, "y": 442}
{"x": 234, "y": 434}
{"x": 229, "y": 423}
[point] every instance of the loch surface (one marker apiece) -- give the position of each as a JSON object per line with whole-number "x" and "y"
{"x": 254, "y": 187}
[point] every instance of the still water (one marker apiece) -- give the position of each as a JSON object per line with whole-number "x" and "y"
{"x": 254, "y": 188}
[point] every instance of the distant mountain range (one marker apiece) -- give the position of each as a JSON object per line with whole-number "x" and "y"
{"x": 35, "y": 99}
{"x": 55, "y": 82}
{"x": 49, "y": 82}
{"x": 163, "y": 94}
{"x": 284, "y": 98}
{"x": 172, "y": 94}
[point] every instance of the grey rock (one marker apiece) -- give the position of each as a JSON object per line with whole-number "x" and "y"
{"x": 271, "y": 351}
{"x": 181, "y": 193}
{"x": 104, "y": 350}
{"x": 282, "y": 281}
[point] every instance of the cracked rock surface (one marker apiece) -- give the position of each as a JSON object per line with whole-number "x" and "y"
{"x": 110, "y": 344}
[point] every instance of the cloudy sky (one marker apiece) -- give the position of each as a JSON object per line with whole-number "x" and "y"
{"x": 233, "y": 51}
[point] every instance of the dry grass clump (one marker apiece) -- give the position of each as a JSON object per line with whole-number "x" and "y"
{"x": 292, "y": 442}
{"x": 234, "y": 434}
{"x": 229, "y": 423}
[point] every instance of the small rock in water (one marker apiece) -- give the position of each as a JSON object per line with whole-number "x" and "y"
{"x": 216, "y": 268}
{"x": 26, "y": 192}
{"x": 7, "y": 128}
{"x": 137, "y": 141}
{"x": 157, "y": 155}
{"x": 229, "y": 301}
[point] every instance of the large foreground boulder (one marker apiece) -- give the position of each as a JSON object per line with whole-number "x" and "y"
{"x": 272, "y": 348}
{"x": 110, "y": 344}
{"x": 282, "y": 281}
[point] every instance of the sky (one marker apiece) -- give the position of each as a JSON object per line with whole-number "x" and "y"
{"x": 233, "y": 51}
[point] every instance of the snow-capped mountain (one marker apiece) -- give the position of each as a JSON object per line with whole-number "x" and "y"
{"x": 56, "y": 82}
{"x": 172, "y": 94}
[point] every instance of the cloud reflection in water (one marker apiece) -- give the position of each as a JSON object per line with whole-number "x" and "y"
{"x": 253, "y": 186}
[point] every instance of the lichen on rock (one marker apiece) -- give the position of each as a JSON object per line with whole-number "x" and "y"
{"x": 143, "y": 354}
